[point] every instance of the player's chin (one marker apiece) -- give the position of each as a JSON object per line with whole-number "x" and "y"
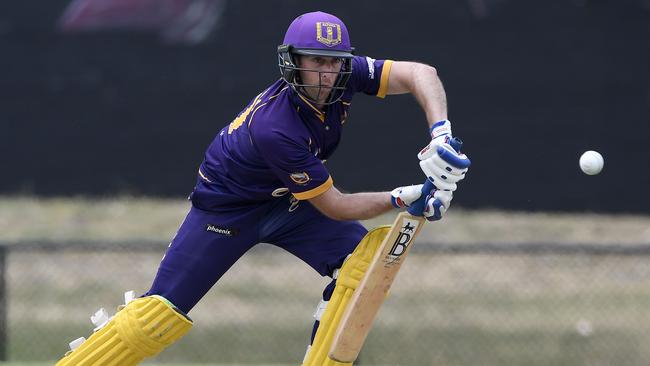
{"x": 319, "y": 93}
{"x": 325, "y": 90}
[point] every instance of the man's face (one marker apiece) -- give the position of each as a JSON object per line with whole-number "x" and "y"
{"x": 325, "y": 72}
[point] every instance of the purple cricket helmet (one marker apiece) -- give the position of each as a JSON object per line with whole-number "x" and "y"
{"x": 316, "y": 34}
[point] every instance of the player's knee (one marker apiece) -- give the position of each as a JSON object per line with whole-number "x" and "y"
{"x": 142, "y": 328}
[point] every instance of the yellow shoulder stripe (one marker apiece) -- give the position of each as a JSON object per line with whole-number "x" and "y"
{"x": 280, "y": 92}
{"x": 383, "y": 83}
{"x": 250, "y": 120}
{"x": 315, "y": 191}
{"x": 241, "y": 118}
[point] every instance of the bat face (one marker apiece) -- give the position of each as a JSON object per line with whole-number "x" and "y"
{"x": 360, "y": 312}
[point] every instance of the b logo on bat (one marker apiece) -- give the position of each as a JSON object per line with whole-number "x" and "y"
{"x": 403, "y": 240}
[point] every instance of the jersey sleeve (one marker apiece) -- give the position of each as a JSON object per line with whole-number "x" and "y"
{"x": 292, "y": 162}
{"x": 370, "y": 76}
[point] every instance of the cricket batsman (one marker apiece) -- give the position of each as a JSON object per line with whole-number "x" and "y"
{"x": 264, "y": 179}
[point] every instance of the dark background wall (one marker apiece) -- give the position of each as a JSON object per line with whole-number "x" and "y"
{"x": 531, "y": 85}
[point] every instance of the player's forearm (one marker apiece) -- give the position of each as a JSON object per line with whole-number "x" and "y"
{"x": 429, "y": 92}
{"x": 362, "y": 206}
{"x": 352, "y": 206}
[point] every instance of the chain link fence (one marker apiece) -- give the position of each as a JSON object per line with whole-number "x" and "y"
{"x": 450, "y": 305}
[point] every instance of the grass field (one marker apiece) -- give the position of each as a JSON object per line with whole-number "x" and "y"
{"x": 445, "y": 309}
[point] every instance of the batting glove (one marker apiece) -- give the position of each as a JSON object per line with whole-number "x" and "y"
{"x": 442, "y": 162}
{"x": 432, "y": 203}
{"x": 404, "y": 196}
{"x": 437, "y": 204}
{"x": 440, "y": 134}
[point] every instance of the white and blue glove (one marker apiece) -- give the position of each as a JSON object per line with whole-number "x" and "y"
{"x": 402, "y": 197}
{"x": 437, "y": 204}
{"x": 444, "y": 165}
{"x": 441, "y": 160}
{"x": 433, "y": 205}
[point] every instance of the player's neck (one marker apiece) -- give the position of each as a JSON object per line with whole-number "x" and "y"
{"x": 319, "y": 105}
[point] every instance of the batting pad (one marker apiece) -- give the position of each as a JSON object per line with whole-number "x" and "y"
{"x": 143, "y": 328}
{"x": 349, "y": 278}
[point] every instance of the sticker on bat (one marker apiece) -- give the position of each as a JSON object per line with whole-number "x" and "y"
{"x": 404, "y": 238}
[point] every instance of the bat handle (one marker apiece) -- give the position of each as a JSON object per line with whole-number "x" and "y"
{"x": 456, "y": 143}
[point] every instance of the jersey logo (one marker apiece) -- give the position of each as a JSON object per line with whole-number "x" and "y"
{"x": 293, "y": 203}
{"x": 300, "y": 178}
{"x": 328, "y": 33}
{"x": 280, "y": 192}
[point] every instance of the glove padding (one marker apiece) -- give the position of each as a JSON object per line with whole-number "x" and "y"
{"x": 440, "y": 134}
{"x": 441, "y": 160}
{"x": 443, "y": 165}
{"x": 404, "y": 196}
{"x": 436, "y": 204}
{"x": 432, "y": 203}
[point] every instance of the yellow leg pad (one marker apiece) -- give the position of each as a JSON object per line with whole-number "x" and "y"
{"x": 350, "y": 277}
{"x": 141, "y": 329}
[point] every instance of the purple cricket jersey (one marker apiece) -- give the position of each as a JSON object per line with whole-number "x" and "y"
{"x": 276, "y": 146}
{"x": 279, "y": 142}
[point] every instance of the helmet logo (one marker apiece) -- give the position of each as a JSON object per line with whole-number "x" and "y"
{"x": 328, "y": 33}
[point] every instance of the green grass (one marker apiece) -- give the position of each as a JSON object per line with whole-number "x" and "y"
{"x": 444, "y": 310}
{"x": 458, "y": 346}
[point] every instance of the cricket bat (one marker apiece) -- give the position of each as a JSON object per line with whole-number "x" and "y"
{"x": 360, "y": 313}
{"x": 362, "y": 309}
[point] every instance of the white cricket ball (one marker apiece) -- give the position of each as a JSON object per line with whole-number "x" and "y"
{"x": 591, "y": 162}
